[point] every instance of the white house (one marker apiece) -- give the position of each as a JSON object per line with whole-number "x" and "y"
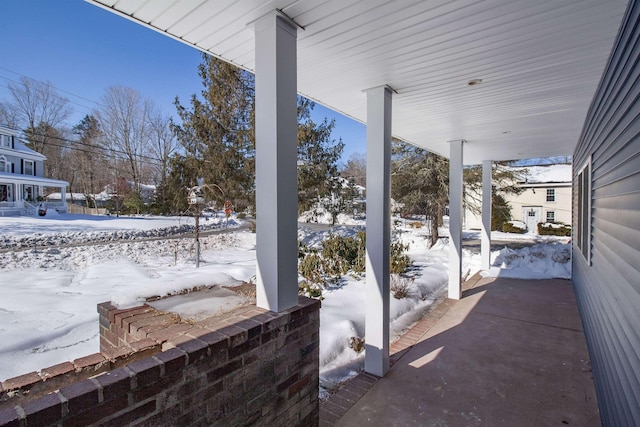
{"x": 546, "y": 197}
{"x": 21, "y": 181}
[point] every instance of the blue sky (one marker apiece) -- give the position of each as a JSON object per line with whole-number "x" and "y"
{"x": 82, "y": 50}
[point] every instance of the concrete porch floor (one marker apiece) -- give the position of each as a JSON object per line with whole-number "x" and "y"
{"x": 511, "y": 352}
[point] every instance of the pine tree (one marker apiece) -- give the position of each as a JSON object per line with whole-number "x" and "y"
{"x": 217, "y": 135}
{"x": 420, "y": 182}
{"x": 318, "y": 157}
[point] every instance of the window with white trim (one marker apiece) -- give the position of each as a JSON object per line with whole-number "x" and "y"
{"x": 583, "y": 229}
{"x": 551, "y": 194}
{"x": 27, "y": 169}
{"x": 551, "y": 216}
{"x": 5, "y": 141}
{"x": 4, "y": 164}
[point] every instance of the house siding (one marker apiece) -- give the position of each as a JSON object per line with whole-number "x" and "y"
{"x": 607, "y": 281}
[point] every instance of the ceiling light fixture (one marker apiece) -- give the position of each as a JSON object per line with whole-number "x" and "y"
{"x": 474, "y": 82}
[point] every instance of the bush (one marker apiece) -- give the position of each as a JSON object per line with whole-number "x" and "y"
{"x": 310, "y": 267}
{"x": 241, "y": 215}
{"x": 399, "y": 260}
{"x": 311, "y": 291}
{"x": 400, "y": 286}
{"x": 554, "y": 229}
{"x": 341, "y": 255}
{"x": 510, "y": 227}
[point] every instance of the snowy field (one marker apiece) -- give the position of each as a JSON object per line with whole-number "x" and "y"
{"x": 49, "y": 293}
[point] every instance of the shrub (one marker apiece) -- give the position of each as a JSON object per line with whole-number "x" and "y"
{"x": 400, "y": 286}
{"x": 241, "y": 215}
{"x": 311, "y": 291}
{"x": 554, "y": 229}
{"x": 311, "y": 267}
{"x": 510, "y": 227}
{"x": 341, "y": 255}
{"x": 399, "y": 260}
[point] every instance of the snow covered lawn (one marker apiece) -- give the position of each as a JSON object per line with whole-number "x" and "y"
{"x": 48, "y": 294}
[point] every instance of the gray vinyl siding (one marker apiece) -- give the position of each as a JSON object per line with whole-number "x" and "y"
{"x": 608, "y": 284}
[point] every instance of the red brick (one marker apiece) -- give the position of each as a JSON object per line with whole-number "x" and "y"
{"x": 173, "y": 360}
{"x": 144, "y": 344}
{"x": 91, "y": 360}
{"x": 146, "y": 371}
{"x": 164, "y": 334}
{"x": 163, "y": 386}
{"x": 114, "y": 383}
{"x": 43, "y": 411}
{"x": 80, "y": 396}
{"x": 104, "y": 308}
{"x": 287, "y": 383}
{"x": 196, "y": 349}
{"x": 55, "y": 370}
{"x": 113, "y": 311}
{"x": 95, "y": 414}
{"x": 25, "y": 381}
{"x": 165, "y": 417}
{"x": 252, "y": 327}
{"x": 118, "y": 353}
{"x": 132, "y": 415}
{"x": 236, "y": 335}
{"x": 108, "y": 336}
{"x": 132, "y": 312}
{"x": 154, "y": 319}
{"x": 295, "y": 388}
{"x": 225, "y": 370}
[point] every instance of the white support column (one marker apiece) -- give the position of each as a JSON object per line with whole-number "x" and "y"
{"x": 63, "y": 197}
{"x": 378, "y": 229}
{"x": 276, "y": 156}
{"x": 455, "y": 219}
{"x": 485, "y": 238}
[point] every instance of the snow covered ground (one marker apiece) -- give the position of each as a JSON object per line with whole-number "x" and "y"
{"x": 49, "y": 293}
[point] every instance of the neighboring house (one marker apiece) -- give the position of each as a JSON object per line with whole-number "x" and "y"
{"x": 546, "y": 197}
{"x": 21, "y": 182}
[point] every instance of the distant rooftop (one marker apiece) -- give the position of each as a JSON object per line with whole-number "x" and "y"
{"x": 546, "y": 173}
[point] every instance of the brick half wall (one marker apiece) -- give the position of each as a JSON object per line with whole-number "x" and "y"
{"x": 247, "y": 367}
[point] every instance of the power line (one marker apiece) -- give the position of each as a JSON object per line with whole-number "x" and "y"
{"x": 52, "y": 85}
{"x": 110, "y": 152}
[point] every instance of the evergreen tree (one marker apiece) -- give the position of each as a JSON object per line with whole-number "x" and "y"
{"x": 318, "y": 157}
{"x": 217, "y": 135}
{"x": 87, "y": 156}
{"x": 420, "y": 182}
{"x": 217, "y": 141}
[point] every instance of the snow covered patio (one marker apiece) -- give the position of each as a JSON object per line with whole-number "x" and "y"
{"x": 510, "y": 352}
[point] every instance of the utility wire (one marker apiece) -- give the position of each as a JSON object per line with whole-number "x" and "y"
{"x": 106, "y": 150}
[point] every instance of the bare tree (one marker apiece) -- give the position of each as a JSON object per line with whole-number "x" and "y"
{"x": 163, "y": 144}
{"x": 37, "y": 108}
{"x": 356, "y": 169}
{"x": 123, "y": 121}
{"x": 7, "y": 116}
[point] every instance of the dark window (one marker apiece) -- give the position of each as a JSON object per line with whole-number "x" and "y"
{"x": 551, "y": 194}
{"x": 551, "y": 216}
{"x": 583, "y": 232}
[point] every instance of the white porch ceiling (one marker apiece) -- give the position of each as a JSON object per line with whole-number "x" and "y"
{"x": 540, "y": 61}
